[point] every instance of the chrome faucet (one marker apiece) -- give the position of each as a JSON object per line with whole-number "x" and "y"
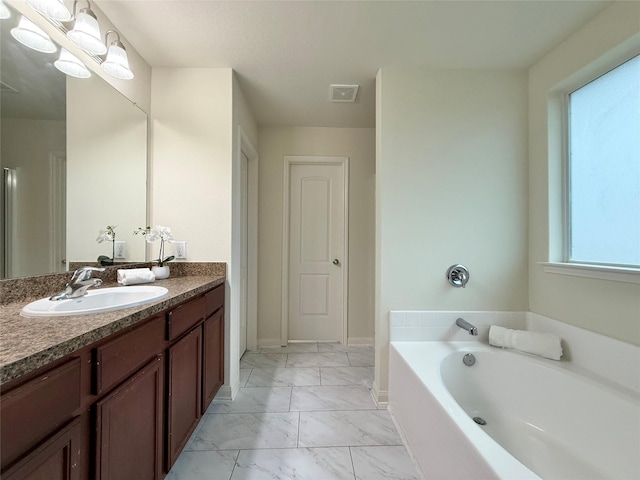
{"x": 462, "y": 323}
{"x": 80, "y": 282}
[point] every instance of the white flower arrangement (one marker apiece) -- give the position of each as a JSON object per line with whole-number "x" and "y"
{"x": 107, "y": 235}
{"x": 158, "y": 233}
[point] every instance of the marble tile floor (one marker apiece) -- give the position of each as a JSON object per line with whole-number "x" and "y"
{"x": 303, "y": 412}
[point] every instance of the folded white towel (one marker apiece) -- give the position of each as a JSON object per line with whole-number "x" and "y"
{"x": 134, "y": 276}
{"x": 544, "y": 344}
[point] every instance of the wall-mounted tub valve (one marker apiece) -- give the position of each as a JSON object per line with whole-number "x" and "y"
{"x": 458, "y": 275}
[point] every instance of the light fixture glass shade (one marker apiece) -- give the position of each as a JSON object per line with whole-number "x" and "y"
{"x": 4, "y": 11}
{"x": 117, "y": 64}
{"x": 52, "y": 8}
{"x": 71, "y": 65}
{"x": 86, "y": 33}
{"x": 32, "y": 36}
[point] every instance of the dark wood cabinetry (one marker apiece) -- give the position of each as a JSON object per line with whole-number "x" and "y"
{"x": 184, "y": 391}
{"x": 129, "y": 427}
{"x": 117, "y": 359}
{"x": 195, "y": 366}
{"x": 212, "y": 357}
{"x": 57, "y": 458}
{"x": 33, "y": 411}
{"x": 121, "y": 409}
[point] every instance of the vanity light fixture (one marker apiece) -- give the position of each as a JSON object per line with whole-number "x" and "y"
{"x": 86, "y": 31}
{"x": 116, "y": 64}
{"x": 71, "y": 65}
{"x": 32, "y": 36}
{"x": 54, "y": 9}
{"x": 4, "y": 11}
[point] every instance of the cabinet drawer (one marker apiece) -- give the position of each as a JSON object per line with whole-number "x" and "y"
{"x": 57, "y": 458}
{"x": 183, "y": 317}
{"x": 215, "y": 299}
{"x": 31, "y": 412}
{"x": 121, "y": 357}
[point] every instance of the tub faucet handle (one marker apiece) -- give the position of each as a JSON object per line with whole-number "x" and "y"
{"x": 458, "y": 275}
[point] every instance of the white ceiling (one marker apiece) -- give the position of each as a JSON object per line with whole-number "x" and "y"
{"x": 287, "y": 53}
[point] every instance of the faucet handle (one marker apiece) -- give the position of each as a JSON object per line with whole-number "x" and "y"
{"x": 458, "y": 275}
{"x": 84, "y": 273}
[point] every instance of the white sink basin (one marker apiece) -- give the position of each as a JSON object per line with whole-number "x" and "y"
{"x": 95, "y": 301}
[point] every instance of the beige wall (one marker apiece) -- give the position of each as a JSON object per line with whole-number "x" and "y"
{"x": 356, "y": 143}
{"x": 191, "y": 150}
{"x": 607, "y": 307}
{"x": 451, "y": 188}
{"x": 196, "y": 115}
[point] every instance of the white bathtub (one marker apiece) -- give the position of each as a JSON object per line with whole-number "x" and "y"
{"x": 543, "y": 418}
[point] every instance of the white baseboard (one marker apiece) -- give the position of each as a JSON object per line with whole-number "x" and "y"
{"x": 227, "y": 393}
{"x": 269, "y": 342}
{"x": 360, "y": 341}
{"x": 381, "y": 397}
{"x": 276, "y": 342}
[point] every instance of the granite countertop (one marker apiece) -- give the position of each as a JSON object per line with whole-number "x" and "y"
{"x": 29, "y": 343}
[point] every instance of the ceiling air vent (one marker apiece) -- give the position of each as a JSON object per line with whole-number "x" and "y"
{"x": 343, "y": 93}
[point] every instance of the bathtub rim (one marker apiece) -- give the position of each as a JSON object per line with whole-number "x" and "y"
{"x": 428, "y": 357}
{"x": 489, "y": 451}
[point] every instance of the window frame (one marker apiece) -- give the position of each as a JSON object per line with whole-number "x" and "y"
{"x": 565, "y": 266}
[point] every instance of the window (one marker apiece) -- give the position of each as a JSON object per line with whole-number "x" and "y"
{"x": 603, "y": 169}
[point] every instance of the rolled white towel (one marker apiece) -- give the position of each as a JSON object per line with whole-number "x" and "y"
{"x": 134, "y": 276}
{"x": 544, "y": 344}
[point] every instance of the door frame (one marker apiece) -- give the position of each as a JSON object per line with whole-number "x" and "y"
{"x": 290, "y": 160}
{"x": 58, "y": 211}
{"x": 251, "y": 295}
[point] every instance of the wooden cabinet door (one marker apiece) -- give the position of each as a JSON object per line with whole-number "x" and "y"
{"x": 54, "y": 459}
{"x": 184, "y": 392}
{"x": 212, "y": 357}
{"x": 129, "y": 427}
{"x": 33, "y": 411}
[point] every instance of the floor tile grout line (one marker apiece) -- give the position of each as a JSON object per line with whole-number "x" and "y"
{"x": 319, "y": 369}
{"x": 353, "y": 466}
{"x": 235, "y": 464}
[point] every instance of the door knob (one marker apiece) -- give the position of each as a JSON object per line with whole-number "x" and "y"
{"x": 336, "y": 262}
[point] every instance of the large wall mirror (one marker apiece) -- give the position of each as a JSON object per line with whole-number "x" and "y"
{"x": 73, "y": 154}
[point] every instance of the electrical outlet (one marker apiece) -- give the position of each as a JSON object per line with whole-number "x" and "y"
{"x": 180, "y": 249}
{"x": 120, "y": 250}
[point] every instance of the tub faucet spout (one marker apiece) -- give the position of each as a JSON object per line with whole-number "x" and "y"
{"x": 462, "y": 323}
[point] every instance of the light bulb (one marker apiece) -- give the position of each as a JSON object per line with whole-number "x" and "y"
{"x": 32, "y": 36}
{"x": 4, "y": 11}
{"x": 51, "y": 8}
{"x": 71, "y": 65}
{"x": 117, "y": 64}
{"x": 86, "y": 33}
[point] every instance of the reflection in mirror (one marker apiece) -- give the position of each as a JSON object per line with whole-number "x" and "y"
{"x": 73, "y": 155}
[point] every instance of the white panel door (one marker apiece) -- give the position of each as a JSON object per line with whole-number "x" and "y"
{"x": 316, "y": 244}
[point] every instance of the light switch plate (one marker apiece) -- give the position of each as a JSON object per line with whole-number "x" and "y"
{"x": 180, "y": 249}
{"x": 120, "y": 249}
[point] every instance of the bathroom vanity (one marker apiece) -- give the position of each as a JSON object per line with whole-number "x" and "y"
{"x": 115, "y": 396}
